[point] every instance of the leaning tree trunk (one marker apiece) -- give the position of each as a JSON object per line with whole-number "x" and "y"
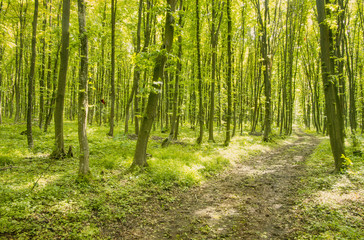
{"x": 330, "y": 88}
{"x": 150, "y": 112}
{"x": 59, "y": 151}
{"x": 31, "y": 76}
{"x": 83, "y": 92}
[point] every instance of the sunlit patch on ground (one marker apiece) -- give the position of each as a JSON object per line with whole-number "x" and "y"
{"x": 333, "y": 207}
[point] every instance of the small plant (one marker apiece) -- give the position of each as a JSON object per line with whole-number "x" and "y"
{"x": 347, "y": 163}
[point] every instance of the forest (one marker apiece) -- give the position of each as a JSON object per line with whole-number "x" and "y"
{"x": 181, "y": 119}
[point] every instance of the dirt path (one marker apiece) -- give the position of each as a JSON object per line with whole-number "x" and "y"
{"x": 254, "y": 200}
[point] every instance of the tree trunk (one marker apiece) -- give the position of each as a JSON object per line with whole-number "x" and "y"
{"x": 83, "y": 92}
{"x": 150, "y": 112}
{"x": 137, "y": 70}
{"x": 52, "y": 100}
{"x": 20, "y": 49}
{"x": 1, "y": 82}
{"x": 229, "y": 75}
{"x": 174, "y": 122}
{"x": 267, "y": 83}
{"x": 199, "y": 77}
{"x": 31, "y": 76}
{"x": 59, "y": 151}
{"x": 214, "y": 42}
{"x": 43, "y": 69}
{"x": 330, "y": 88}
{"x": 112, "y": 111}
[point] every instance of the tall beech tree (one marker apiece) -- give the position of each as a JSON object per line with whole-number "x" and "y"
{"x": 158, "y": 74}
{"x": 229, "y": 75}
{"x": 263, "y": 19}
{"x": 174, "y": 123}
{"x": 199, "y": 75}
{"x": 214, "y": 43}
{"x": 84, "y": 168}
{"x": 59, "y": 150}
{"x": 330, "y": 83}
{"x": 136, "y": 77}
{"x": 31, "y": 76}
{"x": 112, "y": 77}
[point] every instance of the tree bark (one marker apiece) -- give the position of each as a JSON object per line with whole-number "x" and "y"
{"x": 267, "y": 83}
{"x": 31, "y": 76}
{"x": 136, "y": 78}
{"x": 43, "y": 69}
{"x": 59, "y": 151}
{"x": 229, "y": 75}
{"x": 330, "y": 87}
{"x": 20, "y": 50}
{"x": 150, "y": 112}
{"x": 199, "y": 76}
{"x": 112, "y": 110}
{"x": 84, "y": 168}
{"x": 174, "y": 122}
{"x": 214, "y": 42}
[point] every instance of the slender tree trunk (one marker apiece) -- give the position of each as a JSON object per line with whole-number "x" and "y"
{"x": 229, "y": 75}
{"x": 150, "y": 112}
{"x": 330, "y": 87}
{"x": 59, "y": 151}
{"x": 137, "y": 70}
{"x": 83, "y": 92}
{"x": 267, "y": 83}
{"x": 31, "y": 76}
{"x": 42, "y": 77}
{"x": 19, "y": 65}
{"x": 2, "y": 50}
{"x": 199, "y": 76}
{"x": 112, "y": 111}
{"x": 214, "y": 42}
{"x": 174, "y": 122}
{"x": 52, "y": 100}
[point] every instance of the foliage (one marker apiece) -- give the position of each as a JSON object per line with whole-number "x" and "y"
{"x": 63, "y": 206}
{"x": 332, "y": 205}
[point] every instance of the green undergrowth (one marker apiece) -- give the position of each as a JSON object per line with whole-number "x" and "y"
{"x": 43, "y": 199}
{"x": 333, "y": 204}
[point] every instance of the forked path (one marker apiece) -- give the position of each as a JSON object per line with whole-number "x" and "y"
{"x": 254, "y": 200}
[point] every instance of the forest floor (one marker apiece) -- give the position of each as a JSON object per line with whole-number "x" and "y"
{"x": 284, "y": 189}
{"x": 254, "y": 199}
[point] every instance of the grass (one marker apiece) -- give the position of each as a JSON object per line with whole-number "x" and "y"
{"x": 41, "y": 199}
{"x": 333, "y": 204}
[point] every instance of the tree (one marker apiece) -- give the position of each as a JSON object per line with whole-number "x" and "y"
{"x": 330, "y": 86}
{"x": 174, "y": 123}
{"x": 199, "y": 76}
{"x": 136, "y": 78}
{"x": 214, "y": 42}
{"x": 112, "y": 111}
{"x": 59, "y": 151}
{"x": 31, "y": 77}
{"x": 83, "y": 92}
{"x": 229, "y": 74}
{"x": 158, "y": 72}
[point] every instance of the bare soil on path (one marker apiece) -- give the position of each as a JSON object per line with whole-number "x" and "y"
{"x": 254, "y": 199}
